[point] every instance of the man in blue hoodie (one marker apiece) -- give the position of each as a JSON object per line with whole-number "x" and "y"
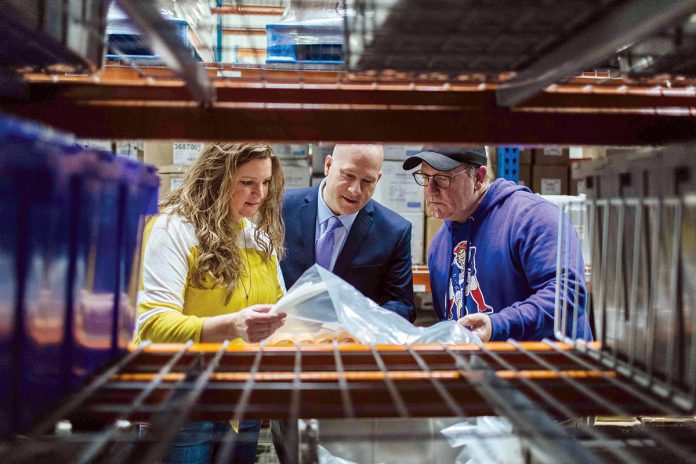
{"x": 493, "y": 263}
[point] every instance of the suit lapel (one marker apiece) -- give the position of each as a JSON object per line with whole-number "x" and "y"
{"x": 308, "y": 215}
{"x": 358, "y": 232}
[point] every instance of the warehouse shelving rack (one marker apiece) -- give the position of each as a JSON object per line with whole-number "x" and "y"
{"x": 529, "y": 383}
{"x": 382, "y": 95}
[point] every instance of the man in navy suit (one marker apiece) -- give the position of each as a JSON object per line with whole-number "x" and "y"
{"x": 337, "y": 225}
{"x": 371, "y": 244}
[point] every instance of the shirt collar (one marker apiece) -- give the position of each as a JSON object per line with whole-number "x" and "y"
{"x": 324, "y": 213}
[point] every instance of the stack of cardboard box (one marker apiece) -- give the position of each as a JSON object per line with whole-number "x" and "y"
{"x": 171, "y": 159}
{"x": 550, "y": 171}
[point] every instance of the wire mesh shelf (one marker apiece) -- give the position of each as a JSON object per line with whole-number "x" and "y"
{"x": 534, "y": 385}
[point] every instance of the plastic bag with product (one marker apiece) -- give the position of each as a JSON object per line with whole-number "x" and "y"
{"x": 322, "y": 307}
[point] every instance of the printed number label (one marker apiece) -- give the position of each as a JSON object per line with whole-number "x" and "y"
{"x": 186, "y": 153}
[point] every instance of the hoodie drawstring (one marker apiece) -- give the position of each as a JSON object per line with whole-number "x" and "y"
{"x": 467, "y": 257}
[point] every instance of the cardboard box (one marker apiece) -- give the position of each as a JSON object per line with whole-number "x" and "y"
{"x": 526, "y": 156}
{"x": 576, "y": 186}
{"x": 397, "y": 190}
{"x": 417, "y": 220}
{"x": 551, "y": 155}
{"x": 133, "y": 149}
{"x": 432, "y": 225}
{"x": 586, "y": 153}
{"x": 161, "y": 153}
{"x": 525, "y": 175}
{"x": 171, "y": 177}
{"x": 297, "y": 172}
{"x": 550, "y": 180}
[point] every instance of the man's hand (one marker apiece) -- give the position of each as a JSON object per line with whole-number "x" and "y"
{"x": 480, "y": 324}
{"x": 251, "y": 324}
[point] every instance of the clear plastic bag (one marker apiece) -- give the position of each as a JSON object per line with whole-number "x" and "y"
{"x": 486, "y": 439}
{"x": 322, "y": 307}
{"x": 325, "y": 457}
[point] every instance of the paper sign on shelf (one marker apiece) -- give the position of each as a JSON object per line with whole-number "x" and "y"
{"x": 186, "y": 152}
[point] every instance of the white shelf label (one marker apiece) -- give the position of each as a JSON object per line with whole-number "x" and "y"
{"x": 186, "y": 153}
{"x": 553, "y": 151}
{"x": 550, "y": 186}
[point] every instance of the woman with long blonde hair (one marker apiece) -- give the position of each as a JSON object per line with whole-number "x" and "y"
{"x": 208, "y": 273}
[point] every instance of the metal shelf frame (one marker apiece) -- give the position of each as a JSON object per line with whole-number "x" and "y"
{"x": 286, "y": 109}
{"x": 536, "y": 104}
{"x": 532, "y": 384}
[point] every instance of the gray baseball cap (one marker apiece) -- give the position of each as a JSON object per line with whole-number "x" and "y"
{"x": 447, "y": 158}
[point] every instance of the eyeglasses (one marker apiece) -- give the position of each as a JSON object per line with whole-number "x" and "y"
{"x": 441, "y": 180}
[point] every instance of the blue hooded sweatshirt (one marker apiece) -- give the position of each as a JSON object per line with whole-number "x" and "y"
{"x": 507, "y": 252}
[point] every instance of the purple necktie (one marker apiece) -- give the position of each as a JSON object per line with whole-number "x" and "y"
{"x": 325, "y": 244}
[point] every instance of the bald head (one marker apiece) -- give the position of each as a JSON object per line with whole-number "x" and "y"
{"x": 361, "y": 153}
{"x": 352, "y": 172}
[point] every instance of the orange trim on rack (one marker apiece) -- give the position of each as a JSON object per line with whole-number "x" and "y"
{"x": 249, "y": 10}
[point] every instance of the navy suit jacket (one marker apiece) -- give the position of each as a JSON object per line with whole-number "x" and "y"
{"x": 376, "y": 256}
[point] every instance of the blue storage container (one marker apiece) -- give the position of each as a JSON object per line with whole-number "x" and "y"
{"x": 8, "y": 287}
{"x": 95, "y": 282}
{"x": 139, "y": 184}
{"x": 45, "y": 313}
{"x": 36, "y": 196}
{"x": 130, "y": 203}
{"x": 125, "y": 41}
{"x": 305, "y": 43}
{"x": 69, "y": 255}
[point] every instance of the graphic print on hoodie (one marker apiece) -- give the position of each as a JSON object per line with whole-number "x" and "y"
{"x": 507, "y": 253}
{"x": 464, "y": 283}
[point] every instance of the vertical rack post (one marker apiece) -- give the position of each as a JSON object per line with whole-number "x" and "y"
{"x": 509, "y": 163}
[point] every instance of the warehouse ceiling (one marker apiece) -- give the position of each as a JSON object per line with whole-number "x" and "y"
{"x": 457, "y": 37}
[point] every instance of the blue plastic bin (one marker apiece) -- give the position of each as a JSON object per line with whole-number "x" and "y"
{"x": 124, "y": 41}
{"x": 94, "y": 284}
{"x": 34, "y": 232}
{"x": 8, "y": 287}
{"x": 138, "y": 183}
{"x": 69, "y": 255}
{"x": 304, "y": 43}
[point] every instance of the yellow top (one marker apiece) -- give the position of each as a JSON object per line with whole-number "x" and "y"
{"x": 169, "y": 308}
